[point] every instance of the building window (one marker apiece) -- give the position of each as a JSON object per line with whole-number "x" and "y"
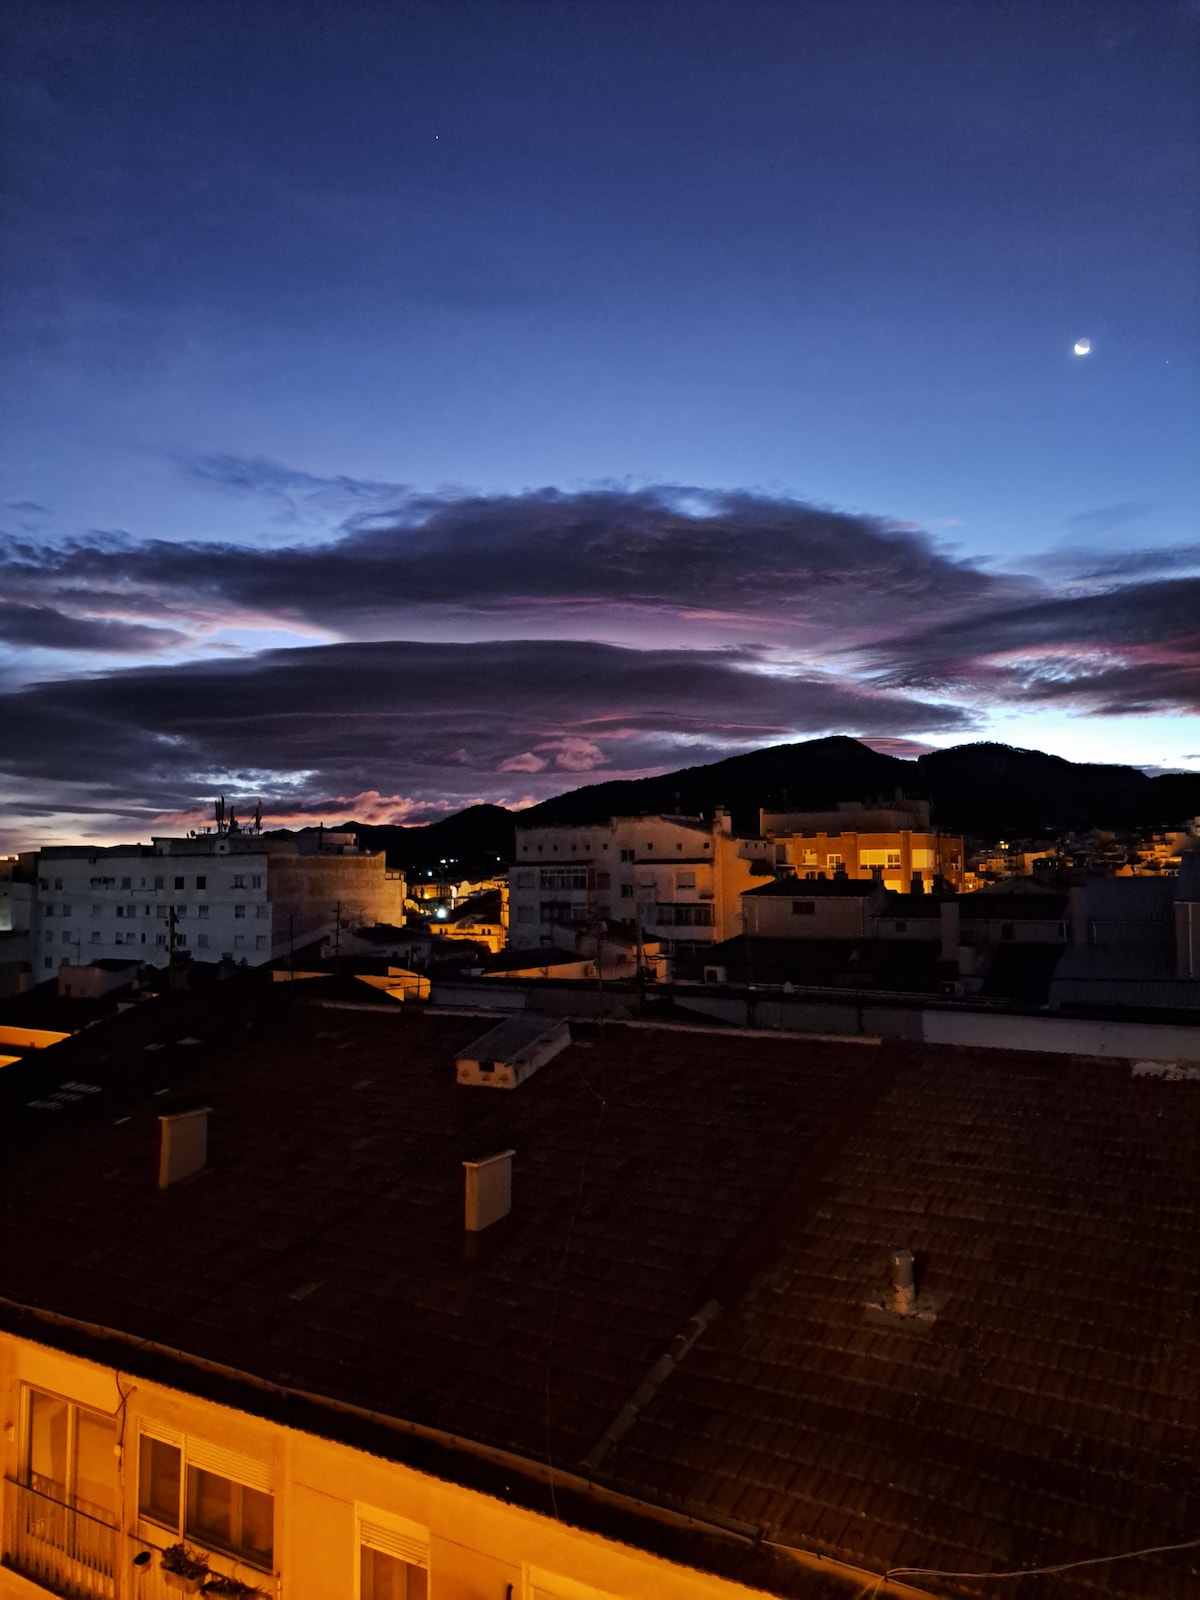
{"x": 64, "y": 911}
{"x": 181, "y": 938}
{"x": 181, "y": 911}
{"x": 127, "y": 883}
{"x": 97, "y": 911}
{"x": 96, "y": 936}
{"x": 834, "y": 861}
{"x": 393, "y": 1559}
{"x": 50, "y": 910}
{"x": 262, "y": 911}
{"x": 564, "y": 878}
{"x": 626, "y": 891}
{"x": 526, "y": 913}
{"x": 49, "y": 961}
{"x": 220, "y": 1510}
{"x": 239, "y": 911}
{"x": 202, "y": 941}
{"x": 627, "y": 855}
{"x": 161, "y": 940}
{"x": 685, "y": 880}
{"x": 804, "y": 908}
{"x": 69, "y": 1454}
{"x": 239, "y": 881}
{"x": 260, "y": 941}
{"x": 202, "y": 912}
{"x": 179, "y": 883}
{"x": 677, "y": 916}
{"x": 523, "y": 880}
{"x": 202, "y": 882}
{"x": 159, "y": 882}
{"x": 58, "y": 883}
{"x": 893, "y": 858}
{"x": 239, "y": 941}
{"x": 256, "y": 881}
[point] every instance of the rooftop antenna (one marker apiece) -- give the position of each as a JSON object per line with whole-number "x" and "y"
{"x": 258, "y": 817}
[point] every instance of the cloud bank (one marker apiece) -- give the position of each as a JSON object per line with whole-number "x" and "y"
{"x": 506, "y": 646}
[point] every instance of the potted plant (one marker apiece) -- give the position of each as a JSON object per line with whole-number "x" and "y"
{"x": 183, "y": 1569}
{"x": 230, "y": 1588}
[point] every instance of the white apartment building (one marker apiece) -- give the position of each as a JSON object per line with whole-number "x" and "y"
{"x": 677, "y": 879}
{"x": 209, "y": 896}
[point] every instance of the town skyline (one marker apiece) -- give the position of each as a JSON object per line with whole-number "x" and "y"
{"x": 464, "y": 403}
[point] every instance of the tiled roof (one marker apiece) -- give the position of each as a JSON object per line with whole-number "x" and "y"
{"x": 1048, "y": 1411}
{"x": 1048, "y": 1414}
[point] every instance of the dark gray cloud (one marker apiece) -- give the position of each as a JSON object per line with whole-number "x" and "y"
{"x": 44, "y": 628}
{"x": 725, "y": 558}
{"x": 1090, "y": 566}
{"x": 1130, "y": 650}
{"x": 428, "y": 722}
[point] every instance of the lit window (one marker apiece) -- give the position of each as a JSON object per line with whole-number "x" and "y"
{"x": 393, "y": 1559}
{"x": 220, "y": 1510}
{"x": 69, "y": 1455}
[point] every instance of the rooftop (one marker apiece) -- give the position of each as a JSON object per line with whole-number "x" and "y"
{"x": 741, "y": 1190}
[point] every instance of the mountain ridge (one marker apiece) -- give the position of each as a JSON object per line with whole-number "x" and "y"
{"x": 985, "y": 790}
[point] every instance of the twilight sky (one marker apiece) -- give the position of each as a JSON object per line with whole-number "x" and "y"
{"x": 405, "y": 405}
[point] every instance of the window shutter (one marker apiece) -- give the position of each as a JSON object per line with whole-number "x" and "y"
{"x": 391, "y": 1543}
{"x": 164, "y": 1435}
{"x": 229, "y": 1464}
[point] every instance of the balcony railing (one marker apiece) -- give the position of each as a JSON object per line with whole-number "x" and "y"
{"x": 64, "y": 1549}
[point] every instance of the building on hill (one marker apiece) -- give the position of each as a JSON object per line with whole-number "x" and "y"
{"x": 679, "y": 878}
{"x": 686, "y": 1315}
{"x": 246, "y": 896}
{"x": 893, "y": 842}
{"x": 481, "y": 917}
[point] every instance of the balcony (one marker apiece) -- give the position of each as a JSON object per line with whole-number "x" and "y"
{"x": 64, "y": 1549}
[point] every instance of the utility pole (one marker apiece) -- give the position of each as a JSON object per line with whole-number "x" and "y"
{"x": 337, "y": 931}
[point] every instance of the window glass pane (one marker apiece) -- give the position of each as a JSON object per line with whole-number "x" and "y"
{"x": 258, "y": 1530}
{"x": 158, "y": 1482}
{"x": 386, "y": 1577}
{"x": 210, "y": 1507}
{"x": 49, "y": 1420}
{"x": 96, "y": 1464}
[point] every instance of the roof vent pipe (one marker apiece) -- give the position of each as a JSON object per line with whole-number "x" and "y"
{"x": 904, "y": 1286}
{"x": 488, "y": 1190}
{"x": 183, "y": 1146}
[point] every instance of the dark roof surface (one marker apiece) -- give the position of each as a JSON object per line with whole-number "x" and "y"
{"x": 1048, "y": 1411}
{"x": 985, "y": 906}
{"x": 819, "y": 888}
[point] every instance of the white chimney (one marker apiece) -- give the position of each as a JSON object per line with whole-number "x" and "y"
{"x": 183, "y": 1146}
{"x": 904, "y": 1286}
{"x": 489, "y": 1190}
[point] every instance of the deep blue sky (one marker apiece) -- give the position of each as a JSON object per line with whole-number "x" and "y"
{"x": 380, "y": 296}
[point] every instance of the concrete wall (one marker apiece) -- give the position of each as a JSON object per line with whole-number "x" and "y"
{"x": 477, "y": 1548}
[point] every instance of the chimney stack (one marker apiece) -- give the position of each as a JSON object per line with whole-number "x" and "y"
{"x": 488, "y": 1190}
{"x": 904, "y": 1286}
{"x": 183, "y": 1146}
